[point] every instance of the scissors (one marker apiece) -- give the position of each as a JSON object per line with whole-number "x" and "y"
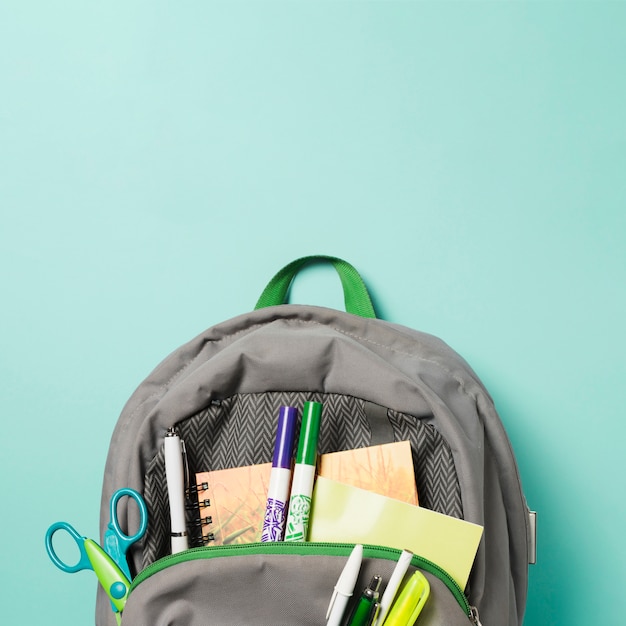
{"x": 110, "y": 565}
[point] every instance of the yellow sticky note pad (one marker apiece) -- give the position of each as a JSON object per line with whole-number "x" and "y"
{"x": 342, "y": 513}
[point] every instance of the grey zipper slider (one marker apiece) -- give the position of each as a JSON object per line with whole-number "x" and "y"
{"x": 474, "y": 616}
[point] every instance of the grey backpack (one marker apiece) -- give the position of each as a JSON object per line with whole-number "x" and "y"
{"x": 378, "y": 382}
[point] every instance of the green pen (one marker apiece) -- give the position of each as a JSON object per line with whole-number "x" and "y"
{"x": 366, "y": 610}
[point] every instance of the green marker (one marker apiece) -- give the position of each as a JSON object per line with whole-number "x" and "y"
{"x": 304, "y": 474}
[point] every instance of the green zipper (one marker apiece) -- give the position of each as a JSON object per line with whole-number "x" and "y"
{"x": 302, "y": 548}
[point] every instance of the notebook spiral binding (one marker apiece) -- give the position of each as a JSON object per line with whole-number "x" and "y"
{"x": 199, "y": 522}
{"x": 193, "y": 490}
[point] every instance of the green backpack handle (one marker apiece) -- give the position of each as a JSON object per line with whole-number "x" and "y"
{"x": 356, "y": 296}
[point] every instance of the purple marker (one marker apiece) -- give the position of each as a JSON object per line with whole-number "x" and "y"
{"x": 280, "y": 478}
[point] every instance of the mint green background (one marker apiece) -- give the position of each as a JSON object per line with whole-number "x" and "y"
{"x": 159, "y": 162}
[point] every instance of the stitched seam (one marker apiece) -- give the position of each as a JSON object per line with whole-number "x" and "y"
{"x": 158, "y": 392}
{"x": 248, "y": 329}
{"x": 180, "y": 371}
{"x": 390, "y": 349}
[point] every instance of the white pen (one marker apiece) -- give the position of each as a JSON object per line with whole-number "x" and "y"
{"x": 393, "y": 585}
{"x": 175, "y": 475}
{"x": 344, "y": 587}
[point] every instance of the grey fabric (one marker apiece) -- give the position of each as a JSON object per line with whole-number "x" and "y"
{"x": 312, "y": 350}
{"x": 277, "y": 590}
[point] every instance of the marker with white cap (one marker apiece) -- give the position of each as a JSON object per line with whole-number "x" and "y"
{"x": 304, "y": 474}
{"x": 280, "y": 476}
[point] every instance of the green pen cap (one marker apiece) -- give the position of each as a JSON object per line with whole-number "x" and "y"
{"x": 309, "y": 433}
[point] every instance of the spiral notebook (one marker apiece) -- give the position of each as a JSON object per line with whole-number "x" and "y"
{"x": 232, "y": 501}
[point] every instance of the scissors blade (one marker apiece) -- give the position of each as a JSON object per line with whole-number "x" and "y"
{"x": 110, "y": 576}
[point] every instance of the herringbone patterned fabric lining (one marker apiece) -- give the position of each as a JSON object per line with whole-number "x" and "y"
{"x": 240, "y": 430}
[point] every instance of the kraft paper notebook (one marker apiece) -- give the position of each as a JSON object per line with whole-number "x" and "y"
{"x": 386, "y": 469}
{"x": 232, "y": 503}
{"x": 342, "y": 513}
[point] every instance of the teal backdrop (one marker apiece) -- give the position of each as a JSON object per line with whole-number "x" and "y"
{"x": 160, "y": 161}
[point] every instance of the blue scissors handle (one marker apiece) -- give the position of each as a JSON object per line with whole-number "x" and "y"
{"x": 116, "y": 541}
{"x": 114, "y": 525}
{"x": 83, "y": 561}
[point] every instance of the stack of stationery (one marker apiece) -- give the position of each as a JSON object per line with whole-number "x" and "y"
{"x": 366, "y": 495}
{"x": 233, "y": 502}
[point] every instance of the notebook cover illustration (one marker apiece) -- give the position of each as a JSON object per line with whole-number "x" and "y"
{"x": 386, "y": 469}
{"x": 236, "y": 499}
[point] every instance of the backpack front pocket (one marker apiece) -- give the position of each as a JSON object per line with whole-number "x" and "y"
{"x": 271, "y": 584}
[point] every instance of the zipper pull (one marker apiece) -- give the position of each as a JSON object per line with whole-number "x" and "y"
{"x": 474, "y": 616}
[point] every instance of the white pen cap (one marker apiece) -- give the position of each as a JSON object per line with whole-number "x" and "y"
{"x": 347, "y": 580}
